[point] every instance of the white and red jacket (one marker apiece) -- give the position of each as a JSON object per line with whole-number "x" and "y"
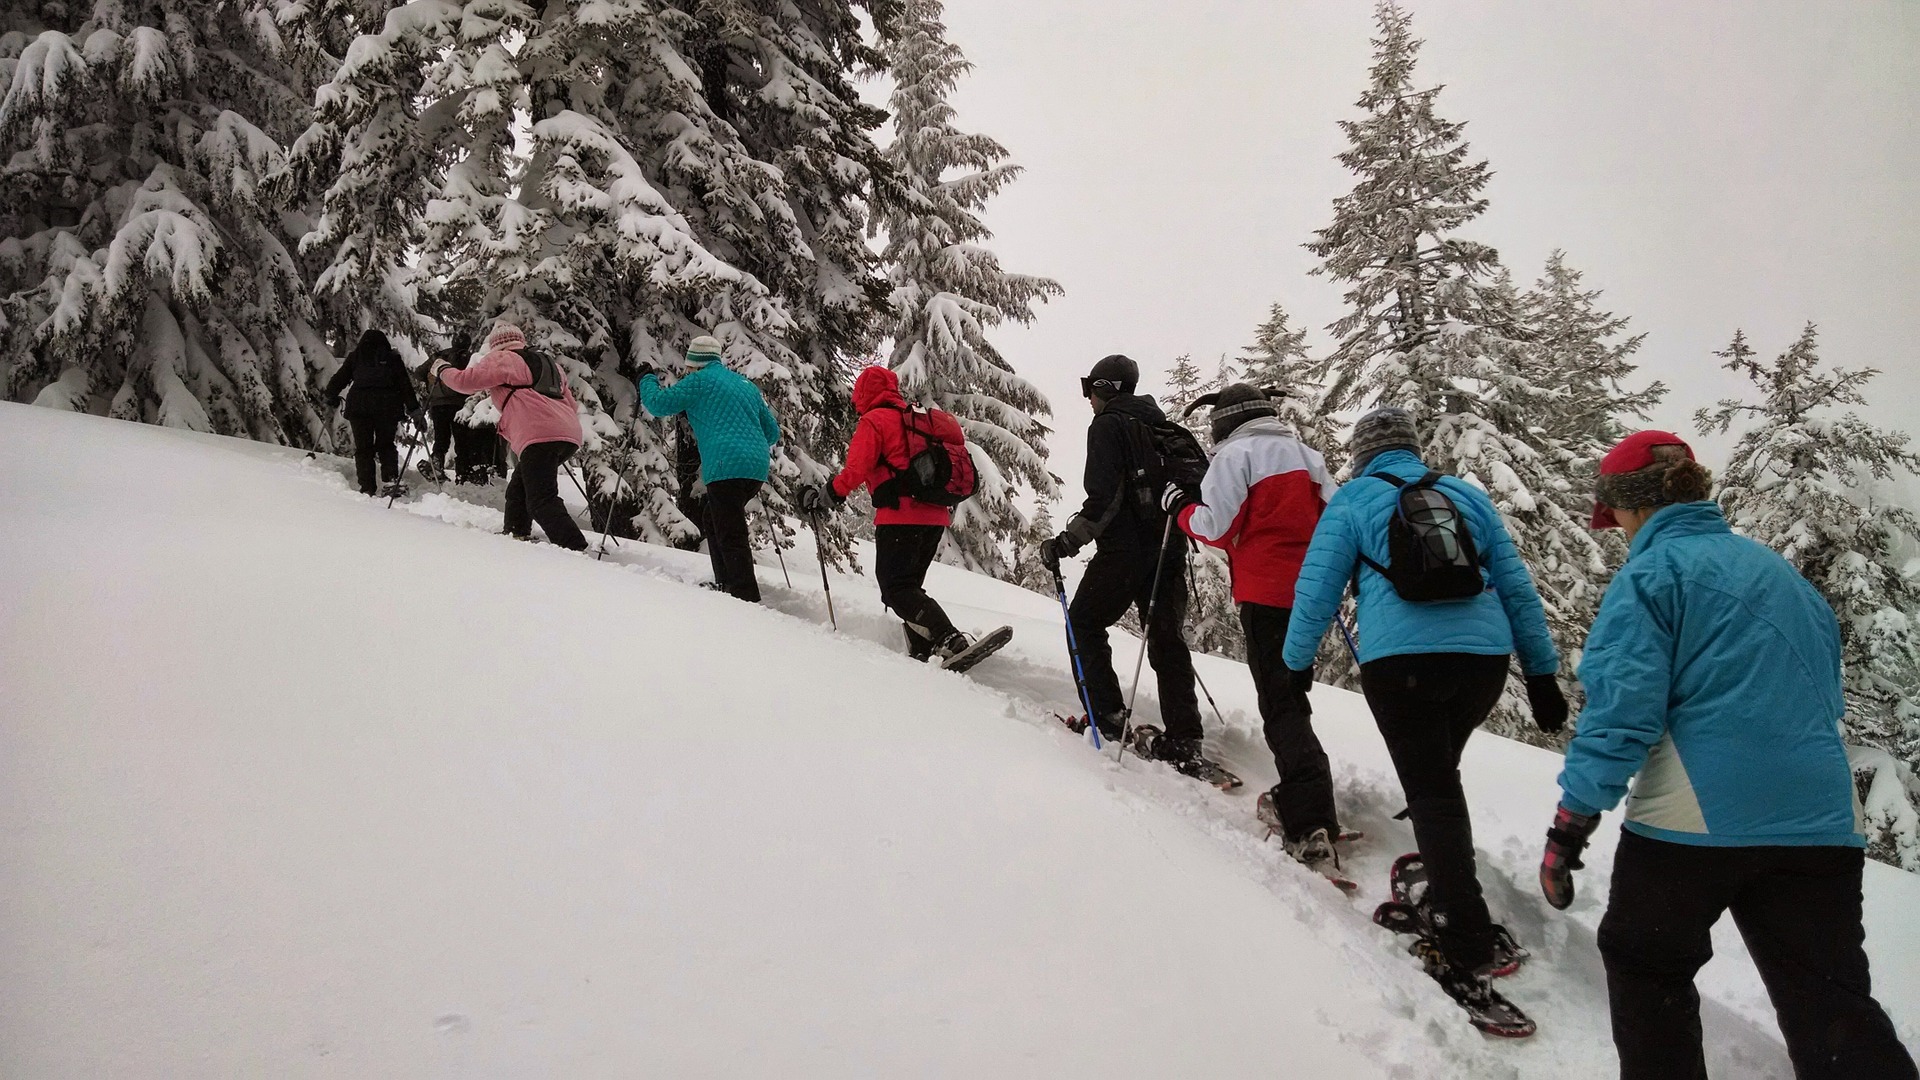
{"x": 1261, "y": 499}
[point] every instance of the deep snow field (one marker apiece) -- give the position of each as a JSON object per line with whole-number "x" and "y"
{"x": 295, "y": 785}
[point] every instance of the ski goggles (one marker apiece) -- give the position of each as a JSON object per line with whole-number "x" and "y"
{"x": 1100, "y": 387}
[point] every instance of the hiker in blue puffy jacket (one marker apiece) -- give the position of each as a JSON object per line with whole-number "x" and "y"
{"x": 1713, "y": 682}
{"x": 735, "y": 433}
{"x": 1432, "y": 671}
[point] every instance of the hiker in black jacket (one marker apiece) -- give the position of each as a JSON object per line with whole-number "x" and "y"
{"x": 379, "y": 395}
{"x": 1122, "y": 517}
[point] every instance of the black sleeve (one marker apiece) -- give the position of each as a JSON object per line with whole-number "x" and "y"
{"x": 406, "y": 384}
{"x": 338, "y": 384}
{"x": 1106, "y": 477}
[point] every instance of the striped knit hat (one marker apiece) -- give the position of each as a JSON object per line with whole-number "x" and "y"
{"x": 1383, "y": 429}
{"x": 703, "y": 348}
{"x": 1236, "y": 405}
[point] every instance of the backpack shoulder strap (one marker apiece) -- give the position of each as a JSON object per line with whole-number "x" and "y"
{"x": 1392, "y": 479}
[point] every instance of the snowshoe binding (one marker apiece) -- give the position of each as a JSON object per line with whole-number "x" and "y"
{"x": 431, "y": 473}
{"x": 1269, "y": 815}
{"x": 1315, "y": 851}
{"x": 1150, "y": 743}
{"x": 1487, "y": 1009}
{"x": 959, "y": 653}
{"x": 393, "y": 489}
{"x": 1109, "y": 729}
{"x": 1411, "y": 912}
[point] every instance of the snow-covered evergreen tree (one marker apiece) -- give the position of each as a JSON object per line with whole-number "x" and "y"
{"x": 144, "y": 273}
{"x": 683, "y": 172}
{"x": 949, "y": 290}
{"x": 1435, "y": 326}
{"x": 1585, "y": 357}
{"x": 1800, "y": 480}
{"x": 1184, "y": 383}
{"x": 1278, "y": 360}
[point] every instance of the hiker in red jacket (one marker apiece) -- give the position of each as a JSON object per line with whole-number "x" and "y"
{"x": 1260, "y": 502}
{"x": 907, "y": 532}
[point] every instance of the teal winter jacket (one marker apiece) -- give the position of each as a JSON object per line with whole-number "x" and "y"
{"x": 1713, "y": 673}
{"x": 731, "y": 422}
{"x": 1507, "y": 615}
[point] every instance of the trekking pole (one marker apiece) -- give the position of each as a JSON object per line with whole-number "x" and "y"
{"x": 581, "y": 488}
{"x": 1146, "y": 629}
{"x": 1073, "y": 653}
{"x": 774, "y": 539}
{"x": 1352, "y": 649}
{"x": 820, "y": 553}
{"x": 398, "y": 480}
{"x": 1193, "y": 590}
{"x": 606, "y": 523}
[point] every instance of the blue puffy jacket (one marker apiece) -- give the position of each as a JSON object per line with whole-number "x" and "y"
{"x": 1713, "y": 672}
{"x": 1355, "y": 522}
{"x": 731, "y": 422}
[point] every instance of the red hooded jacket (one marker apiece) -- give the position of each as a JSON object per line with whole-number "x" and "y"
{"x": 880, "y": 440}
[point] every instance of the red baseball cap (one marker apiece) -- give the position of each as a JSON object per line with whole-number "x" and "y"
{"x": 1631, "y": 454}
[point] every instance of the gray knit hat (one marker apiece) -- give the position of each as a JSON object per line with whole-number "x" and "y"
{"x": 1383, "y": 429}
{"x": 703, "y": 347}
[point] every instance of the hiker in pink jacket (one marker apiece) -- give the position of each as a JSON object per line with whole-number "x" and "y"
{"x": 540, "y": 421}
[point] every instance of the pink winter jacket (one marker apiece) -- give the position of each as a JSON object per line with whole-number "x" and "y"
{"x": 530, "y": 416}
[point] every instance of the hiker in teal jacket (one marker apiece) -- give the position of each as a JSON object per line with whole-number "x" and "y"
{"x": 1432, "y": 671}
{"x": 1713, "y": 683}
{"x": 735, "y": 432}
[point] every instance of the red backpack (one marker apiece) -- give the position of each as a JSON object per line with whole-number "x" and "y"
{"x": 941, "y": 473}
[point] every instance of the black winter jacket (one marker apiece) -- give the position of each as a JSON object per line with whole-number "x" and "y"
{"x": 1117, "y": 513}
{"x": 381, "y": 388}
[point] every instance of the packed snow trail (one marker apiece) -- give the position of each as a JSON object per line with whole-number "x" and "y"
{"x": 296, "y": 786}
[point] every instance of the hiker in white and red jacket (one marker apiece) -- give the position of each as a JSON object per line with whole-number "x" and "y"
{"x": 907, "y": 532}
{"x": 543, "y": 431}
{"x": 1260, "y": 501}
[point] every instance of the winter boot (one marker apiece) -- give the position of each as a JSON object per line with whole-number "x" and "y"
{"x": 1508, "y": 954}
{"x": 960, "y": 652}
{"x": 1486, "y": 1008}
{"x": 918, "y": 647}
{"x": 1154, "y": 744}
{"x": 1314, "y": 850}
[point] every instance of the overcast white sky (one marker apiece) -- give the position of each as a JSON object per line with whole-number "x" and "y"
{"x": 1711, "y": 165}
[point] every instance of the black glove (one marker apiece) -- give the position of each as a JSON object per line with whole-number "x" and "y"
{"x": 1064, "y": 546}
{"x": 817, "y": 501}
{"x": 1565, "y": 841}
{"x": 433, "y": 373}
{"x": 1548, "y": 704}
{"x": 1302, "y": 680}
{"x": 1175, "y": 498}
{"x": 419, "y": 418}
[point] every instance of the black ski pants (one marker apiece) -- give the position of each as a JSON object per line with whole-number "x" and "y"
{"x": 1122, "y": 578}
{"x": 728, "y": 543}
{"x": 1304, "y": 796}
{"x": 443, "y": 425}
{"x": 1798, "y": 910}
{"x": 473, "y": 449}
{"x": 534, "y": 495}
{"x": 1426, "y": 706}
{"x": 901, "y": 556}
{"x": 373, "y": 437}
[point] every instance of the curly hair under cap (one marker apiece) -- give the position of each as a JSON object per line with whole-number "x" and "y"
{"x": 1672, "y": 478}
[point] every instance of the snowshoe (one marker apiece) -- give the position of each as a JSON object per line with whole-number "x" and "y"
{"x": 431, "y": 473}
{"x": 393, "y": 489}
{"x": 1410, "y": 912}
{"x": 959, "y": 654}
{"x": 1108, "y": 731}
{"x": 1315, "y": 852}
{"x": 1150, "y": 743}
{"x": 1487, "y": 1009}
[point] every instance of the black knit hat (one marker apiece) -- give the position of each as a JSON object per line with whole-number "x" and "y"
{"x": 1112, "y": 376}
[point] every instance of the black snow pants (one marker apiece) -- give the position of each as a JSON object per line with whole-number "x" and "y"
{"x": 901, "y": 556}
{"x": 1122, "y": 578}
{"x": 1426, "y": 705}
{"x": 373, "y": 437}
{"x": 728, "y": 542}
{"x": 473, "y": 449}
{"x": 1798, "y": 910}
{"x": 534, "y": 495}
{"x": 443, "y": 425}
{"x": 1304, "y": 796}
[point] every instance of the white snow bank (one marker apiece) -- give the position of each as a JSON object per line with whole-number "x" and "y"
{"x": 293, "y": 785}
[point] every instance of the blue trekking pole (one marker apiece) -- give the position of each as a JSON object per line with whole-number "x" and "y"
{"x": 1352, "y": 649}
{"x": 1073, "y": 651}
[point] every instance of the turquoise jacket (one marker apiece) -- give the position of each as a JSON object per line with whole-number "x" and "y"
{"x": 1713, "y": 673}
{"x": 731, "y": 422}
{"x": 1507, "y": 614}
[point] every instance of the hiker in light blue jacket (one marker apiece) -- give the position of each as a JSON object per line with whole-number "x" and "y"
{"x": 1713, "y": 683}
{"x": 736, "y": 432}
{"x": 1431, "y": 670}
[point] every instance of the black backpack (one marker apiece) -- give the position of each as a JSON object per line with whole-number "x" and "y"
{"x": 1165, "y": 453}
{"x": 1430, "y": 552}
{"x": 545, "y": 374}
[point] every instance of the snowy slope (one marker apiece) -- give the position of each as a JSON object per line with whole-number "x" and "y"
{"x": 294, "y": 785}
